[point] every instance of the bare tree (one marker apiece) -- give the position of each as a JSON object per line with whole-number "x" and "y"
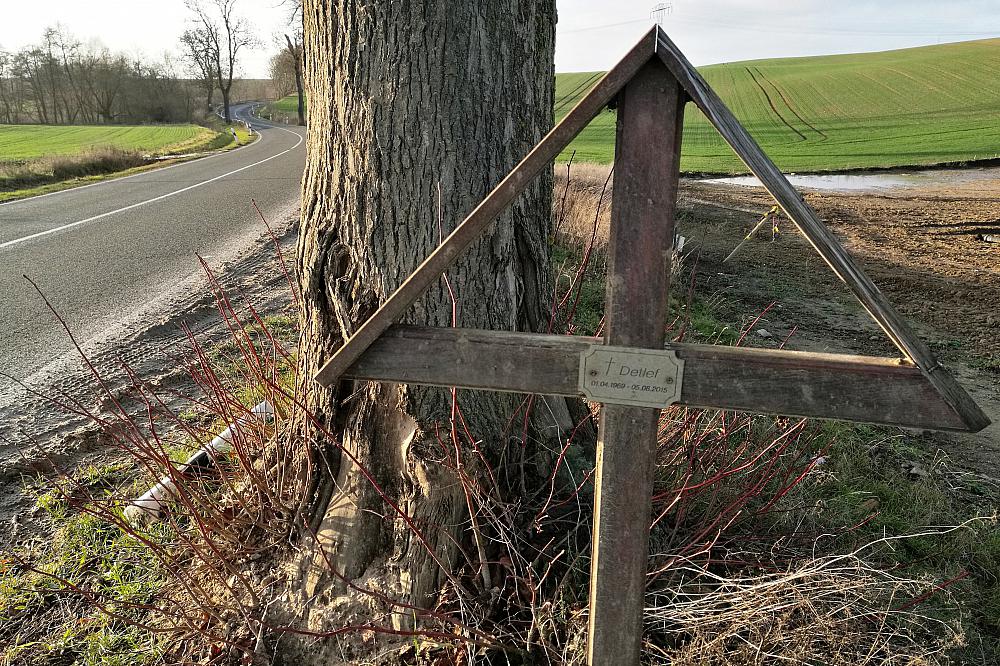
{"x": 200, "y": 56}
{"x": 70, "y": 60}
{"x": 53, "y": 76}
{"x": 9, "y": 98}
{"x": 282, "y": 70}
{"x": 31, "y": 62}
{"x": 106, "y": 83}
{"x": 293, "y": 47}
{"x": 228, "y": 33}
{"x": 64, "y": 80}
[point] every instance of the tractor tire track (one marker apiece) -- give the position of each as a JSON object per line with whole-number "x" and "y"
{"x": 789, "y": 106}
{"x": 567, "y": 99}
{"x": 770, "y": 103}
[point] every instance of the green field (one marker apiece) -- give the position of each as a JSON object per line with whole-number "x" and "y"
{"x": 916, "y": 106}
{"x": 37, "y": 159}
{"x": 920, "y": 106}
{"x": 28, "y": 142}
{"x": 289, "y": 105}
{"x": 284, "y": 110}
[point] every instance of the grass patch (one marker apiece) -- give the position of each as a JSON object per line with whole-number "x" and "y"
{"x": 703, "y": 321}
{"x": 589, "y": 308}
{"x": 43, "y": 621}
{"x": 26, "y": 142}
{"x": 873, "y": 110}
{"x": 223, "y": 137}
{"x": 284, "y": 110}
{"x": 289, "y": 104}
{"x": 229, "y": 359}
{"x": 62, "y": 158}
{"x": 80, "y": 588}
{"x": 875, "y": 482}
{"x": 907, "y": 107}
{"x": 987, "y": 364}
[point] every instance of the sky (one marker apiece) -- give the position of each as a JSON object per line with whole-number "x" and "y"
{"x": 591, "y": 35}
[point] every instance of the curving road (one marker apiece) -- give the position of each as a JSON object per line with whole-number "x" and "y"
{"x": 104, "y": 252}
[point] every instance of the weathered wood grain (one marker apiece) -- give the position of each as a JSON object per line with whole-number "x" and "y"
{"x": 817, "y": 233}
{"x": 887, "y": 391}
{"x": 470, "y": 229}
{"x": 647, "y": 169}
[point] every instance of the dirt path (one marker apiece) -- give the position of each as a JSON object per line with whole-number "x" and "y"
{"x": 922, "y": 247}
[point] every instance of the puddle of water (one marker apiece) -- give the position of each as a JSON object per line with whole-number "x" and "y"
{"x": 870, "y": 182}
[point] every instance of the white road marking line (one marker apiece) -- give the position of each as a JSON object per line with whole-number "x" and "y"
{"x": 154, "y": 199}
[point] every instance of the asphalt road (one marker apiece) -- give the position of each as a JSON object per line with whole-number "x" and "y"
{"x": 103, "y": 253}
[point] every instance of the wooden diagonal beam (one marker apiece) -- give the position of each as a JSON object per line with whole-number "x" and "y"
{"x": 853, "y": 388}
{"x": 817, "y": 233}
{"x": 492, "y": 206}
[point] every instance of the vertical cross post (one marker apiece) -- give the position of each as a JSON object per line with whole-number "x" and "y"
{"x": 647, "y": 164}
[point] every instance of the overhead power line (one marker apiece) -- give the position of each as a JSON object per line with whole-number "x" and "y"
{"x": 603, "y": 26}
{"x": 756, "y": 27}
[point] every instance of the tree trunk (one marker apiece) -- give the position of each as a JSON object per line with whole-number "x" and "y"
{"x": 406, "y": 100}
{"x": 225, "y": 105}
{"x": 301, "y": 96}
{"x": 295, "y": 51}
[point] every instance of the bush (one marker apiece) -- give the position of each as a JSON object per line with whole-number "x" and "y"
{"x": 95, "y": 162}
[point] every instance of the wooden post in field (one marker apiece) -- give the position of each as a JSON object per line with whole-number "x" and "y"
{"x": 647, "y": 161}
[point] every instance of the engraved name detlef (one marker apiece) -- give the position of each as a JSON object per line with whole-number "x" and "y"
{"x": 629, "y": 376}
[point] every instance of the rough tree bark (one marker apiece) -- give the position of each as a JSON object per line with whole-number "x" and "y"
{"x": 408, "y": 99}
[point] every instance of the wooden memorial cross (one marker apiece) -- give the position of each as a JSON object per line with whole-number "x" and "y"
{"x": 630, "y": 370}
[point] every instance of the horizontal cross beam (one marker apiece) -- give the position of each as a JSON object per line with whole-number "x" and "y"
{"x": 855, "y": 388}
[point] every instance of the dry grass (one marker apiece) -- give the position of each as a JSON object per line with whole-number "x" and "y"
{"x": 835, "y": 611}
{"x": 582, "y": 199}
{"x": 582, "y": 195}
{"x": 94, "y": 162}
{"x": 831, "y": 610}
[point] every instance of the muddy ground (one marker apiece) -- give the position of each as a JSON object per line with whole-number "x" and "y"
{"x": 922, "y": 247}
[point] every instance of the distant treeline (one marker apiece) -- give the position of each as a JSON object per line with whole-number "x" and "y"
{"x": 62, "y": 80}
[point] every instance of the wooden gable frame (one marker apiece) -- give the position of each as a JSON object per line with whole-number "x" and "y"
{"x": 911, "y": 391}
